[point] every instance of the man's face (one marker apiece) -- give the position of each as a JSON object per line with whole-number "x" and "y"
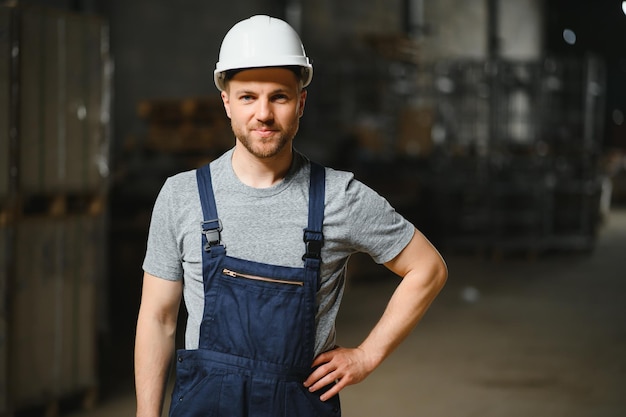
{"x": 264, "y": 106}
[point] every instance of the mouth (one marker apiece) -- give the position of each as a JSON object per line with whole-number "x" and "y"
{"x": 265, "y": 133}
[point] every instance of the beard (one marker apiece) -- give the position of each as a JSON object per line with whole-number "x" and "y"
{"x": 266, "y": 147}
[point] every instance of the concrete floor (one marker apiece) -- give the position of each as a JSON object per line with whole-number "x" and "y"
{"x": 510, "y": 338}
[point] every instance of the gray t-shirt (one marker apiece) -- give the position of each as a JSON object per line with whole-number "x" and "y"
{"x": 266, "y": 225}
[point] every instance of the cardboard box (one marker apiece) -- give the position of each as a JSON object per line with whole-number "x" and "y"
{"x": 62, "y": 140}
{"x": 54, "y": 336}
{"x": 197, "y": 124}
{"x": 414, "y": 132}
{"x": 82, "y": 259}
{"x": 39, "y": 127}
{"x": 35, "y": 315}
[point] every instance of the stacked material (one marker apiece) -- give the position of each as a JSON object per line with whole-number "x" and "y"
{"x": 191, "y": 124}
{"x": 54, "y": 112}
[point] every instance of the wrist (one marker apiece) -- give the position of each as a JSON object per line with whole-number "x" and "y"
{"x": 371, "y": 357}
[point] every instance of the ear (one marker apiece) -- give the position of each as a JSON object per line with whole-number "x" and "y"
{"x": 226, "y": 102}
{"x": 301, "y": 104}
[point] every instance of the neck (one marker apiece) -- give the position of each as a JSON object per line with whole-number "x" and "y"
{"x": 261, "y": 173}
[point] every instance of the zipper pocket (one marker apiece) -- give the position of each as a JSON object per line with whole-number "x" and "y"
{"x": 234, "y": 274}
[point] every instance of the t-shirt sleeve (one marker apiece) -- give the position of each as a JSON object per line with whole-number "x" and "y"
{"x": 163, "y": 257}
{"x": 375, "y": 226}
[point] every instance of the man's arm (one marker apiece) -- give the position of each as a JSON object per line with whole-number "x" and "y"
{"x": 424, "y": 274}
{"x": 154, "y": 343}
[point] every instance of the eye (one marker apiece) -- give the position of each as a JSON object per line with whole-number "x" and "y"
{"x": 246, "y": 97}
{"x": 280, "y": 98}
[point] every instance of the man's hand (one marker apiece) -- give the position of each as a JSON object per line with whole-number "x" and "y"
{"x": 341, "y": 365}
{"x": 423, "y": 273}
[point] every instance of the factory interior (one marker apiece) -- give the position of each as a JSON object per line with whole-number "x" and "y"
{"x": 497, "y": 127}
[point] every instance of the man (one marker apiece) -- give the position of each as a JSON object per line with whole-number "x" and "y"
{"x": 258, "y": 242}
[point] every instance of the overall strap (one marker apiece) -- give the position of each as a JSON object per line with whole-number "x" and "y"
{"x": 211, "y": 226}
{"x": 313, "y": 237}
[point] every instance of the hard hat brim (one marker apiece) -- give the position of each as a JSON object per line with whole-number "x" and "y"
{"x": 219, "y": 75}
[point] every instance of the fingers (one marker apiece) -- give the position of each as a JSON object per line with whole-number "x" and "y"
{"x": 323, "y": 358}
{"x": 333, "y": 391}
{"x": 324, "y": 376}
{"x": 340, "y": 367}
{"x": 326, "y": 381}
{"x": 320, "y": 377}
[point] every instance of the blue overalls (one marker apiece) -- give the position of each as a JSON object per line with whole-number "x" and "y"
{"x": 258, "y": 330}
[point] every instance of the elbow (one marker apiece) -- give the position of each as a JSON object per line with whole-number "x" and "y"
{"x": 439, "y": 275}
{"x": 168, "y": 324}
{"x": 168, "y": 327}
{"x": 164, "y": 323}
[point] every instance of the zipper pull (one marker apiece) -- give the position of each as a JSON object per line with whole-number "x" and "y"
{"x": 229, "y": 273}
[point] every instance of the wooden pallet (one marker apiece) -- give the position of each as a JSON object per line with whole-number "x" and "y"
{"x": 61, "y": 204}
{"x": 177, "y": 111}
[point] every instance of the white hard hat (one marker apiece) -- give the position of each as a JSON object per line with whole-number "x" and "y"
{"x": 261, "y": 41}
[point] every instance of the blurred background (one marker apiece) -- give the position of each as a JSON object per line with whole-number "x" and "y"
{"x": 496, "y": 126}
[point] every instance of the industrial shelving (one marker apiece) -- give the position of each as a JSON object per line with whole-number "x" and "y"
{"x": 532, "y": 132}
{"x": 55, "y": 76}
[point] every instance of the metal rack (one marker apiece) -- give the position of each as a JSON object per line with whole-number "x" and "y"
{"x": 517, "y": 168}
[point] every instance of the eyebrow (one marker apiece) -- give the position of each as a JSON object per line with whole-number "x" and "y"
{"x": 252, "y": 92}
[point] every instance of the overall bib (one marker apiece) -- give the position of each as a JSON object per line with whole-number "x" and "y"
{"x": 258, "y": 329}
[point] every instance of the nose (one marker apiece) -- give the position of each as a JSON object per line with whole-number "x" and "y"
{"x": 264, "y": 111}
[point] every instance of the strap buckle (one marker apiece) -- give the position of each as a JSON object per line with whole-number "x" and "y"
{"x": 313, "y": 244}
{"x": 211, "y": 229}
{"x": 313, "y": 249}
